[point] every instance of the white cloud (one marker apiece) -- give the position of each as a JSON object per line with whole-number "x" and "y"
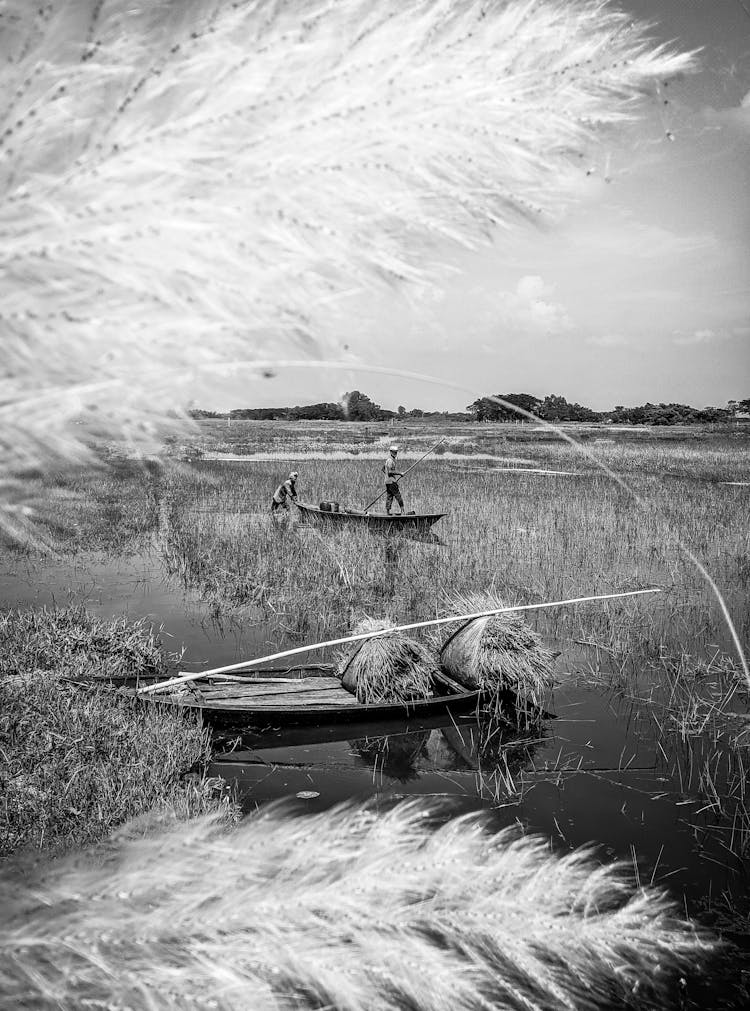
{"x": 698, "y": 337}
{"x": 622, "y": 234}
{"x": 608, "y": 340}
{"x": 736, "y": 115}
{"x": 531, "y": 310}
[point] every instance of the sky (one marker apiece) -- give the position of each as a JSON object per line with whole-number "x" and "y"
{"x": 641, "y": 292}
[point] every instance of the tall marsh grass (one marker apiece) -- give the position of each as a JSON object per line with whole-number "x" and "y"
{"x": 387, "y": 911}
{"x": 74, "y": 763}
{"x": 525, "y": 537}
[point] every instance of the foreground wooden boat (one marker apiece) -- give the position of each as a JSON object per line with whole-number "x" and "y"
{"x": 383, "y": 522}
{"x": 291, "y": 696}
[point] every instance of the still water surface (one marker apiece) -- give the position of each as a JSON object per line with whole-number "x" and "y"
{"x": 594, "y": 774}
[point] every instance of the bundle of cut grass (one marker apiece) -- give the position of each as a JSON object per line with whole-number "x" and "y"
{"x": 389, "y": 668}
{"x": 496, "y": 654}
{"x": 393, "y": 912}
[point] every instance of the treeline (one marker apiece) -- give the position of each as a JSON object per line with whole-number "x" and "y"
{"x": 357, "y": 406}
{"x": 354, "y": 406}
{"x": 557, "y": 408}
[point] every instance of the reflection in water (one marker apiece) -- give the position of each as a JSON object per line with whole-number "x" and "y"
{"x": 394, "y": 756}
{"x": 392, "y": 548}
{"x": 495, "y": 754}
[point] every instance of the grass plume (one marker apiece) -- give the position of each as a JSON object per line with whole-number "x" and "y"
{"x": 393, "y": 912}
{"x": 188, "y": 186}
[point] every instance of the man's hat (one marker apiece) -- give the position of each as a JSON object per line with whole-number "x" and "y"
{"x": 394, "y": 449}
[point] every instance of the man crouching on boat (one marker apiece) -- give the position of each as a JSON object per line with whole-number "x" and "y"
{"x": 286, "y": 490}
{"x": 391, "y": 481}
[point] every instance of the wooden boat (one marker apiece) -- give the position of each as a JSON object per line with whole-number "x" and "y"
{"x": 383, "y": 522}
{"x": 270, "y": 699}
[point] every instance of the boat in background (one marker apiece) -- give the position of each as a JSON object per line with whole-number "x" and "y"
{"x": 382, "y": 522}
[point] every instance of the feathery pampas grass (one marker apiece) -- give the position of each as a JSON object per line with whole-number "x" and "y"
{"x": 391, "y": 668}
{"x": 386, "y": 912}
{"x": 498, "y": 653}
{"x": 188, "y": 185}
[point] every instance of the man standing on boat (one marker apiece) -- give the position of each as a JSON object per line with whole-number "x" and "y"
{"x": 391, "y": 481}
{"x": 286, "y": 490}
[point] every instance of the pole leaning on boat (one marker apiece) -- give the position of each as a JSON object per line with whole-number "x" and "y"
{"x": 183, "y": 678}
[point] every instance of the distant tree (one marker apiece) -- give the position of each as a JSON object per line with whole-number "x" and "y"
{"x": 488, "y": 409}
{"x": 401, "y": 411}
{"x": 318, "y": 412}
{"x": 198, "y": 412}
{"x": 260, "y": 413}
{"x": 483, "y": 409}
{"x": 525, "y": 401}
{"x": 359, "y": 407}
{"x": 555, "y": 408}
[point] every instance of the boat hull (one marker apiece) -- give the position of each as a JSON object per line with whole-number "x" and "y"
{"x": 261, "y": 700}
{"x": 380, "y": 522}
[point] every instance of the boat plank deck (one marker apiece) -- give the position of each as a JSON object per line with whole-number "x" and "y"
{"x": 309, "y": 686}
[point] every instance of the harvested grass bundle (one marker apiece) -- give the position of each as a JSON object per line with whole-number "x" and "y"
{"x": 390, "y": 668}
{"x": 392, "y": 913}
{"x": 496, "y": 654}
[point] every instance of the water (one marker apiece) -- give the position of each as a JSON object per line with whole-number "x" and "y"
{"x": 598, "y": 773}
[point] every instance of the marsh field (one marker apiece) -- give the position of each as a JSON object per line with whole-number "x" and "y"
{"x": 647, "y": 749}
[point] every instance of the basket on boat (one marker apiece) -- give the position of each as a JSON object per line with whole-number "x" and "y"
{"x": 388, "y": 668}
{"x": 499, "y": 653}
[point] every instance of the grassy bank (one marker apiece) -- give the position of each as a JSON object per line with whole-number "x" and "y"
{"x": 75, "y": 763}
{"x": 113, "y": 508}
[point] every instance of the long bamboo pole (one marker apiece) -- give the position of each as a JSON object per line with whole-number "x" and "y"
{"x": 370, "y": 504}
{"x": 183, "y": 677}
